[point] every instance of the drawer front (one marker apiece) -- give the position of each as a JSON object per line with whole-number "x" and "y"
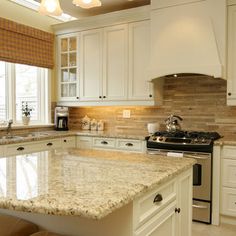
{"x": 68, "y": 142}
{"x": 229, "y": 152}
{"x": 51, "y": 144}
{"x": 109, "y": 143}
{"x": 21, "y": 148}
{"x": 84, "y": 142}
{"x": 153, "y": 202}
{"x": 228, "y": 204}
{"x": 229, "y": 173}
{"x": 130, "y": 145}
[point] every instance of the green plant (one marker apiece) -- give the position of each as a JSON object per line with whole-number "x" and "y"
{"x": 26, "y": 110}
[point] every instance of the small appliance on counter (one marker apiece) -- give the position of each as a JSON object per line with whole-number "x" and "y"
{"x": 61, "y": 118}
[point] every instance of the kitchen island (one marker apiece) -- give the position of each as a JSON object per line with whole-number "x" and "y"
{"x": 102, "y": 193}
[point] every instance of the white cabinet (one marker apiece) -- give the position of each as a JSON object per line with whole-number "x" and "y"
{"x": 140, "y": 86}
{"x": 231, "y": 69}
{"x": 84, "y": 142}
{"x": 105, "y": 143}
{"x": 115, "y": 62}
{"x": 165, "y": 210}
{"x": 68, "y": 142}
{"x": 91, "y": 65}
{"x": 228, "y": 180}
{"x": 68, "y": 66}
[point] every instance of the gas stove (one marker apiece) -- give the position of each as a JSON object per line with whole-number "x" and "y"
{"x": 183, "y": 140}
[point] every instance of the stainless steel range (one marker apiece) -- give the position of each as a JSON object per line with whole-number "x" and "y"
{"x": 197, "y": 145}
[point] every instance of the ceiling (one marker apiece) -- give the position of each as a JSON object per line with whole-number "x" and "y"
{"x": 107, "y": 6}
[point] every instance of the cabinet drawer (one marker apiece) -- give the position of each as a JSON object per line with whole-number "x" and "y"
{"x": 129, "y": 145}
{"x": 68, "y": 142}
{"x": 21, "y": 148}
{"x": 229, "y": 173}
{"x": 109, "y": 143}
{"x": 151, "y": 203}
{"x": 228, "y": 203}
{"x": 51, "y": 144}
{"x": 84, "y": 142}
{"x": 229, "y": 152}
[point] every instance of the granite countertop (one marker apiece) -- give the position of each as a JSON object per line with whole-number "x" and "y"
{"x": 85, "y": 183}
{"x": 226, "y": 140}
{"x": 36, "y": 136}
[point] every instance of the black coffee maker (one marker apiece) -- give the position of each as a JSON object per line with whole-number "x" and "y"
{"x": 61, "y": 118}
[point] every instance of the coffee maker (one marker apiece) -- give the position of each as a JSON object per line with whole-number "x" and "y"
{"x": 61, "y": 118}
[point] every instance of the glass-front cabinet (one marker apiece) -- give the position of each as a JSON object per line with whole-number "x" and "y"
{"x": 68, "y": 67}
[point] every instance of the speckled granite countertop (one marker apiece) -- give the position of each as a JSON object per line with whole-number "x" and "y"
{"x": 36, "y": 136}
{"x": 226, "y": 140}
{"x": 86, "y": 183}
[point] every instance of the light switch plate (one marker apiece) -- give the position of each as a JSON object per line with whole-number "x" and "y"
{"x": 126, "y": 114}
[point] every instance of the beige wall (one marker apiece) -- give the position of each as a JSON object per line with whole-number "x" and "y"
{"x": 200, "y": 101}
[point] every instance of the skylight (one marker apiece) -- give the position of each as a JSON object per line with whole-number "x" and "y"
{"x": 34, "y": 5}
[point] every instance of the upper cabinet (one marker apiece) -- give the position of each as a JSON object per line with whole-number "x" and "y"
{"x": 111, "y": 65}
{"x": 68, "y": 67}
{"x": 231, "y": 72}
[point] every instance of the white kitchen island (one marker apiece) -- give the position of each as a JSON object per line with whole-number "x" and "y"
{"x": 99, "y": 193}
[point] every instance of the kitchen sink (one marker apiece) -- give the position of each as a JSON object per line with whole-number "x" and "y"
{"x": 11, "y": 137}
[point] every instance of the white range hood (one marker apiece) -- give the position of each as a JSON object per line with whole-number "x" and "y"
{"x": 188, "y": 37}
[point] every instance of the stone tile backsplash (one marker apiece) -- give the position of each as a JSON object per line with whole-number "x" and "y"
{"x": 201, "y": 102}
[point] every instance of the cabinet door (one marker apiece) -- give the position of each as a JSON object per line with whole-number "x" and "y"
{"x": 163, "y": 223}
{"x": 184, "y": 202}
{"x": 115, "y": 63}
{"x": 91, "y": 65}
{"x": 140, "y": 86}
{"x": 84, "y": 142}
{"x": 68, "y": 67}
{"x": 231, "y": 70}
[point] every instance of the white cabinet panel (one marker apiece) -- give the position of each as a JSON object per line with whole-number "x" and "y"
{"x": 115, "y": 62}
{"x": 84, "y": 142}
{"x": 229, "y": 173}
{"x": 106, "y": 143}
{"x": 231, "y": 69}
{"x": 228, "y": 204}
{"x": 140, "y": 86}
{"x": 68, "y": 142}
{"x": 91, "y": 65}
{"x": 130, "y": 145}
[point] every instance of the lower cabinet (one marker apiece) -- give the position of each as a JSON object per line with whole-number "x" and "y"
{"x": 35, "y": 146}
{"x": 167, "y": 210}
{"x": 228, "y": 181}
{"x": 131, "y": 145}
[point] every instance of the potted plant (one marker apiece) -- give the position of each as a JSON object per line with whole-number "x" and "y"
{"x": 26, "y": 111}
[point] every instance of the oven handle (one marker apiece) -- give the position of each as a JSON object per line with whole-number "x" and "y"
{"x": 199, "y": 207}
{"x": 196, "y": 157}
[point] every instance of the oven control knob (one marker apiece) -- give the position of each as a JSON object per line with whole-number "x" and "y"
{"x": 203, "y": 140}
{"x": 161, "y": 139}
{"x": 154, "y": 138}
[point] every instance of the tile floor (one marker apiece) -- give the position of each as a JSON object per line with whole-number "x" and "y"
{"x": 211, "y": 230}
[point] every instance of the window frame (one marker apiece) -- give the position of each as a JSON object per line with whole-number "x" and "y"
{"x": 43, "y": 97}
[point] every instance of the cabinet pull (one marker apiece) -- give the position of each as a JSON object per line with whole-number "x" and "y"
{"x": 229, "y": 94}
{"x": 129, "y": 144}
{"x": 158, "y": 198}
{"x": 104, "y": 142}
{"x": 104, "y": 96}
{"x": 177, "y": 210}
{"x": 49, "y": 144}
{"x": 20, "y": 149}
{"x": 100, "y": 96}
{"x": 64, "y": 140}
{"x": 150, "y": 95}
{"x": 77, "y": 97}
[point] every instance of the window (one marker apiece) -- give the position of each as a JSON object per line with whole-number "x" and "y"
{"x": 20, "y": 84}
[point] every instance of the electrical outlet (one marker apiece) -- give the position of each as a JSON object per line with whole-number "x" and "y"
{"x": 126, "y": 113}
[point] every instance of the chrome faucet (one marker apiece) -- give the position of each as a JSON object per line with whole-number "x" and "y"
{"x": 9, "y": 124}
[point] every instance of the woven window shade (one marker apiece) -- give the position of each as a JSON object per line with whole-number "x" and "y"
{"x": 25, "y": 45}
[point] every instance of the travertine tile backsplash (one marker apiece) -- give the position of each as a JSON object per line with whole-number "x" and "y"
{"x": 201, "y": 102}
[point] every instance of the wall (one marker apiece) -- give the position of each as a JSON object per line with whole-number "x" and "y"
{"x": 201, "y": 102}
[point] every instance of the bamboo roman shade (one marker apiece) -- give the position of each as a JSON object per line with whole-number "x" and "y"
{"x": 25, "y": 45}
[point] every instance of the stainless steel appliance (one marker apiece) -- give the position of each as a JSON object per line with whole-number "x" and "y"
{"x": 197, "y": 145}
{"x": 61, "y": 118}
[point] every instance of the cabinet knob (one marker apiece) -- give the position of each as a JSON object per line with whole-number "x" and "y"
{"x": 20, "y": 149}
{"x": 177, "y": 210}
{"x": 100, "y": 96}
{"x": 229, "y": 94}
{"x": 150, "y": 95}
{"x": 64, "y": 140}
{"x": 49, "y": 144}
{"x": 158, "y": 198}
{"x": 129, "y": 144}
{"x": 104, "y": 96}
{"x": 104, "y": 142}
{"x": 77, "y": 97}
